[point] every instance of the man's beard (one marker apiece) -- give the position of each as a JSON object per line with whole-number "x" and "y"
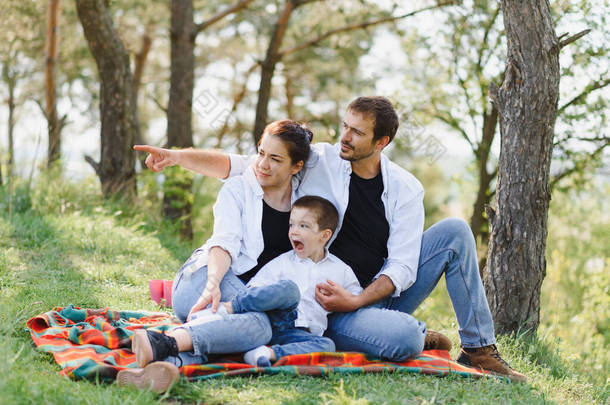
{"x": 355, "y": 158}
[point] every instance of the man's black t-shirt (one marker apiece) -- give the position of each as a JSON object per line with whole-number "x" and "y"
{"x": 362, "y": 242}
{"x": 275, "y": 238}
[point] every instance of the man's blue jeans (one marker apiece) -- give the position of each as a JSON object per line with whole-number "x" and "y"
{"x": 279, "y": 301}
{"x": 231, "y": 334}
{"x": 387, "y": 330}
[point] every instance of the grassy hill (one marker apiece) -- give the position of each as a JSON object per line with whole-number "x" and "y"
{"x": 62, "y": 244}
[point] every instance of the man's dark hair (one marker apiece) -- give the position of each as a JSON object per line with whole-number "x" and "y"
{"x": 325, "y": 212}
{"x": 381, "y": 110}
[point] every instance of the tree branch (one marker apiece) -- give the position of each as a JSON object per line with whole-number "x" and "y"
{"x": 233, "y": 9}
{"x": 158, "y": 104}
{"x": 579, "y": 165}
{"x": 453, "y": 123}
{"x": 588, "y": 89}
{"x": 573, "y": 38}
{"x": 356, "y": 26}
{"x": 94, "y": 164}
{"x": 236, "y": 100}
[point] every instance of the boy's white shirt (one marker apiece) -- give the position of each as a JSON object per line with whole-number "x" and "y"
{"x": 305, "y": 273}
{"x": 327, "y": 175}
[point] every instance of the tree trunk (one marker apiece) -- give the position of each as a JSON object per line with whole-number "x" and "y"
{"x": 478, "y": 221}
{"x": 527, "y": 106}
{"x": 177, "y": 201}
{"x": 140, "y": 62}
{"x": 54, "y": 125}
{"x": 289, "y": 97}
{"x": 11, "y": 83}
{"x": 116, "y": 168}
{"x": 268, "y": 68}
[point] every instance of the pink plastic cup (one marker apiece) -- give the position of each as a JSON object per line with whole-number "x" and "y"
{"x": 156, "y": 290}
{"x": 167, "y": 292}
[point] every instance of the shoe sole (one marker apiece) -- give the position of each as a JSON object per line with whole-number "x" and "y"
{"x": 512, "y": 378}
{"x": 157, "y": 377}
{"x": 140, "y": 345}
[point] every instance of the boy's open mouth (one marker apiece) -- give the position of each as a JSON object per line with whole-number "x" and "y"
{"x": 298, "y": 245}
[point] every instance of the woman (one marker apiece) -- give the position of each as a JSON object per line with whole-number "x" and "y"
{"x": 250, "y": 228}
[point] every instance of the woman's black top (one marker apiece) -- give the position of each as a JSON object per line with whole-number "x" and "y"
{"x": 275, "y": 239}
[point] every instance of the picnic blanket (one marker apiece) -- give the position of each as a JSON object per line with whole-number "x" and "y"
{"x": 96, "y": 343}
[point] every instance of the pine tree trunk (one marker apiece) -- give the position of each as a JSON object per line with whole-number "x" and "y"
{"x": 11, "y": 83}
{"x": 177, "y": 199}
{"x": 268, "y": 68}
{"x": 478, "y": 221}
{"x": 116, "y": 168}
{"x": 527, "y": 106}
{"x": 54, "y": 148}
{"x": 138, "y": 70}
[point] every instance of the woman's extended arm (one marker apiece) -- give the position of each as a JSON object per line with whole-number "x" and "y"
{"x": 219, "y": 261}
{"x": 211, "y": 163}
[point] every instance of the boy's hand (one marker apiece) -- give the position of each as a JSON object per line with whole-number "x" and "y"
{"x": 158, "y": 158}
{"x": 334, "y": 298}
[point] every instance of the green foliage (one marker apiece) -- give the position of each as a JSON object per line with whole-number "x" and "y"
{"x": 576, "y": 290}
{"x": 177, "y": 187}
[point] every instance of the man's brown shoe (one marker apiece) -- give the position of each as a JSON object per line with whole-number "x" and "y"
{"x": 436, "y": 341}
{"x": 489, "y": 359}
{"x": 157, "y": 377}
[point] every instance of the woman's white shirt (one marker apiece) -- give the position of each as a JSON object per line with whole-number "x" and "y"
{"x": 238, "y": 217}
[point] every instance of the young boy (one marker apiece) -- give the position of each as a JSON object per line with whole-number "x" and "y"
{"x": 285, "y": 287}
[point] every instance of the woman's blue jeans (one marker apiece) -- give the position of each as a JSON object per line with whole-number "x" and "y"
{"x": 387, "y": 330}
{"x": 232, "y": 333}
{"x": 280, "y": 301}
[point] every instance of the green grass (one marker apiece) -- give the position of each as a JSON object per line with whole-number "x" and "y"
{"x": 66, "y": 247}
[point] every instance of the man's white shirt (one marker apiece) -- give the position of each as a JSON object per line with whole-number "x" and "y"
{"x": 305, "y": 273}
{"x": 327, "y": 175}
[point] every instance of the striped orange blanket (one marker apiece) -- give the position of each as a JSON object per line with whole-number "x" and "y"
{"x": 95, "y": 343}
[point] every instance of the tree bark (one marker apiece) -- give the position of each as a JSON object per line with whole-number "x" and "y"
{"x": 54, "y": 125}
{"x": 176, "y": 204}
{"x": 11, "y": 82}
{"x": 116, "y": 168}
{"x": 268, "y": 68}
{"x": 138, "y": 71}
{"x": 527, "y": 107}
{"x": 478, "y": 221}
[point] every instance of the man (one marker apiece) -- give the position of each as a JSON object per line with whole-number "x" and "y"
{"x": 381, "y": 237}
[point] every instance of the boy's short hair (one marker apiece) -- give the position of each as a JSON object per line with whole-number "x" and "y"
{"x": 326, "y": 214}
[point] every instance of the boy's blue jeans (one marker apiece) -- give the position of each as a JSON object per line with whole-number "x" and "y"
{"x": 231, "y": 333}
{"x": 279, "y": 301}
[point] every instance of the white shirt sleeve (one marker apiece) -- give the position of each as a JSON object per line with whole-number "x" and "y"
{"x": 350, "y": 282}
{"x": 239, "y": 163}
{"x": 404, "y": 243}
{"x": 269, "y": 274}
{"x": 228, "y": 226}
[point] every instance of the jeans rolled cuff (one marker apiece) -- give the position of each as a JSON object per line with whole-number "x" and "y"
{"x": 237, "y": 309}
{"x": 197, "y": 343}
{"x": 480, "y": 343}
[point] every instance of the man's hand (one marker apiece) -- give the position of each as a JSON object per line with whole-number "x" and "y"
{"x": 211, "y": 295}
{"x": 158, "y": 158}
{"x": 334, "y": 298}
